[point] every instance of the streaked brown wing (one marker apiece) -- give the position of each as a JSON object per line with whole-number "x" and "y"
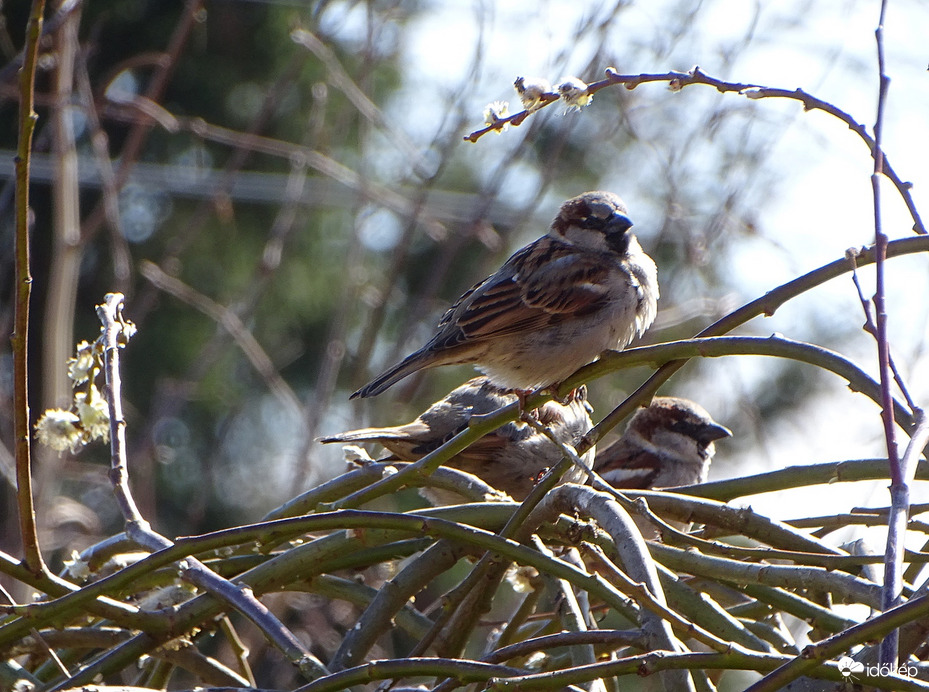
{"x": 623, "y": 465}
{"x": 540, "y": 285}
{"x": 572, "y": 285}
{"x": 485, "y": 450}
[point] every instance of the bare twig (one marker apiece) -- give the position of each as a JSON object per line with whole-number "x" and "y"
{"x": 899, "y": 486}
{"x": 766, "y": 305}
{"x": 114, "y": 336}
{"x": 115, "y": 331}
{"x": 638, "y": 564}
{"x": 716, "y": 346}
{"x": 67, "y": 249}
{"x": 910, "y": 463}
{"x": 657, "y": 606}
{"x": 230, "y": 321}
{"x": 797, "y": 477}
{"x": 572, "y": 614}
{"x": 250, "y": 142}
{"x": 341, "y": 79}
{"x": 20, "y": 339}
{"x": 122, "y": 260}
{"x": 567, "y": 450}
{"x": 678, "y": 80}
{"x": 137, "y": 136}
{"x": 379, "y": 616}
{"x": 845, "y": 586}
{"x": 612, "y": 637}
{"x": 650, "y": 663}
{"x": 462, "y": 670}
{"x": 871, "y": 328}
{"x": 829, "y": 649}
{"x": 242, "y": 150}
{"x": 62, "y": 13}
{"x": 733, "y": 520}
{"x": 239, "y": 649}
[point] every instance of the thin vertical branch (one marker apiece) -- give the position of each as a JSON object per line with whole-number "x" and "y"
{"x": 899, "y": 490}
{"x": 122, "y": 260}
{"x": 110, "y": 313}
{"x": 871, "y": 328}
{"x": 137, "y": 137}
{"x": 32, "y": 555}
{"x": 67, "y": 254}
{"x": 115, "y": 332}
{"x": 67, "y": 251}
{"x": 880, "y": 245}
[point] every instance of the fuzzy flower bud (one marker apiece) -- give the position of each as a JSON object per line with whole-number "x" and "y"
{"x": 531, "y": 90}
{"x": 574, "y": 93}
{"x": 58, "y": 429}
{"x": 495, "y": 112}
{"x": 82, "y": 365}
{"x": 94, "y": 414}
{"x": 77, "y": 567}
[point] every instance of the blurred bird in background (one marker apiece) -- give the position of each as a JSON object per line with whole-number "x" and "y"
{"x": 511, "y": 458}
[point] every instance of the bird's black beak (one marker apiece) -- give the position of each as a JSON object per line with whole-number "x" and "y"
{"x": 713, "y": 431}
{"x": 618, "y": 224}
{"x": 614, "y": 230}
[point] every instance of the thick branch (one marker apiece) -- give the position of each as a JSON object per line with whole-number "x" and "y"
{"x": 766, "y": 305}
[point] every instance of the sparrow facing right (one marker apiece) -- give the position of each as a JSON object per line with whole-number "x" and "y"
{"x": 510, "y": 459}
{"x": 666, "y": 444}
{"x": 554, "y": 306}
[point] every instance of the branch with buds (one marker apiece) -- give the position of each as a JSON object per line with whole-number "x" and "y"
{"x": 576, "y": 94}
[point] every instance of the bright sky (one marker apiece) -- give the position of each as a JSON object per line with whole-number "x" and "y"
{"x": 823, "y": 202}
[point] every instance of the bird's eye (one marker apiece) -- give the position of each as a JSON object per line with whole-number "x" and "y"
{"x": 600, "y": 210}
{"x": 684, "y": 427}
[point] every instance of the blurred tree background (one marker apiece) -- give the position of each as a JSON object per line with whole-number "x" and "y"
{"x": 301, "y": 167}
{"x": 283, "y": 192}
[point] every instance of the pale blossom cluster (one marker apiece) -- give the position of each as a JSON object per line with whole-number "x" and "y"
{"x": 496, "y": 111}
{"x": 536, "y": 92}
{"x": 574, "y": 93}
{"x": 532, "y": 91}
{"x": 88, "y": 418}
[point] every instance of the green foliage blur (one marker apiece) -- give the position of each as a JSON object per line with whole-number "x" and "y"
{"x": 326, "y": 199}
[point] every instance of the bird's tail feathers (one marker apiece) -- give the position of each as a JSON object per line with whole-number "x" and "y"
{"x": 363, "y": 435}
{"x": 390, "y": 377}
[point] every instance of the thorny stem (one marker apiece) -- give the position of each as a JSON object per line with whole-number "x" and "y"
{"x": 32, "y": 554}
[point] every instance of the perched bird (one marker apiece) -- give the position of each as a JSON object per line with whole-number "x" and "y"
{"x": 666, "y": 444}
{"x": 511, "y": 458}
{"x": 554, "y": 306}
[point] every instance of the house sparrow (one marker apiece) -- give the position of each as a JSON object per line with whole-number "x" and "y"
{"x": 554, "y": 306}
{"x": 511, "y": 458}
{"x": 667, "y": 444}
